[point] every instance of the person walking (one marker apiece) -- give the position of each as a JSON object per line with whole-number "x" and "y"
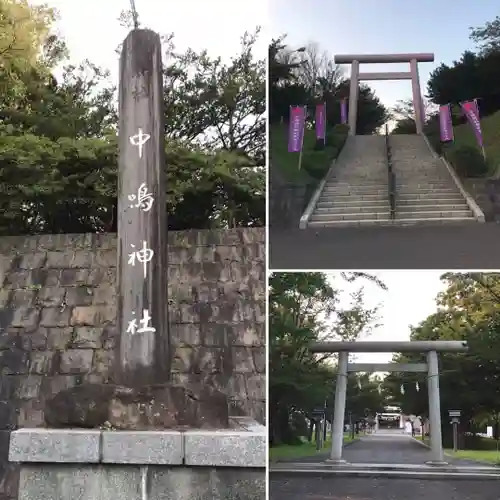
{"x": 408, "y": 427}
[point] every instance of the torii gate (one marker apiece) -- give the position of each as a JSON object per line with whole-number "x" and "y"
{"x": 431, "y": 347}
{"x": 356, "y": 77}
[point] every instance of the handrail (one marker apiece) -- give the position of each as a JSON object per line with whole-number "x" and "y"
{"x": 391, "y": 176}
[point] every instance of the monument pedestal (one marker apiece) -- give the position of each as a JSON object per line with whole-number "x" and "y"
{"x": 91, "y": 464}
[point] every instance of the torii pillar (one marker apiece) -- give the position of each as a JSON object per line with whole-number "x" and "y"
{"x": 356, "y": 77}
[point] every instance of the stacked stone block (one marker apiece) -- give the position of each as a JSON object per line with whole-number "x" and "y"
{"x": 58, "y": 303}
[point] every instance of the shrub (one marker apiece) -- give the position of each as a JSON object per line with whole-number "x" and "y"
{"x": 337, "y": 136}
{"x": 317, "y": 163}
{"x": 467, "y": 160}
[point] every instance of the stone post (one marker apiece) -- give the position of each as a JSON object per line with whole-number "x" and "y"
{"x": 434, "y": 409}
{"x": 339, "y": 410}
{"x": 143, "y": 350}
{"x": 353, "y": 97}
{"x": 417, "y": 96}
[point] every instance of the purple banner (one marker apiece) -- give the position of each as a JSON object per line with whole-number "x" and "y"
{"x": 343, "y": 111}
{"x": 471, "y": 112}
{"x": 321, "y": 121}
{"x": 296, "y": 128}
{"x": 445, "y": 124}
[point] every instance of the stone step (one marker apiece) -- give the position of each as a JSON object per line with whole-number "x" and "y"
{"x": 390, "y": 222}
{"x": 354, "y": 191}
{"x": 423, "y": 185}
{"x": 433, "y": 221}
{"x": 430, "y": 201}
{"x": 329, "y": 197}
{"x": 349, "y": 223}
{"x": 349, "y": 202}
{"x": 343, "y": 209}
{"x": 410, "y": 179}
{"x": 433, "y": 214}
{"x": 344, "y": 184}
{"x": 352, "y": 216}
{"x": 422, "y": 188}
{"x": 443, "y": 207}
{"x": 452, "y": 195}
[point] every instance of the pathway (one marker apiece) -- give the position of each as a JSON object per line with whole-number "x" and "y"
{"x": 461, "y": 246}
{"x": 392, "y": 447}
{"x": 383, "y": 447}
{"x": 346, "y": 488}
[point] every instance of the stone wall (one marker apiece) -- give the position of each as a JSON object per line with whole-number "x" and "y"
{"x": 58, "y": 316}
{"x": 486, "y": 193}
{"x": 287, "y": 201}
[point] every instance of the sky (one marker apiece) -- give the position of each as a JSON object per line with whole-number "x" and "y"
{"x": 383, "y": 26}
{"x": 410, "y": 298}
{"x": 92, "y": 31}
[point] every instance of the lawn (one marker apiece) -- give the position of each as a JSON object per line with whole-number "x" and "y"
{"x": 490, "y": 127}
{"x": 490, "y": 456}
{"x": 315, "y": 163}
{"x": 306, "y": 449}
{"x": 288, "y": 163}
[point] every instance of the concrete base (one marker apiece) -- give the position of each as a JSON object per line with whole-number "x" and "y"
{"x": 436, "y": 463}
{"x": 76, "y": 464}
{"x": 329, "y": 461}
{"x": 408, "y": 471}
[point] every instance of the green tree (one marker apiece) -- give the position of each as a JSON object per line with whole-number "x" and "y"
{"x": 306, "y": 76}
{"x": 487, "y": 37}
{"x": 303, "y": 308}
{"x": 58, "y": 148}
{"x": 469, "y": 309}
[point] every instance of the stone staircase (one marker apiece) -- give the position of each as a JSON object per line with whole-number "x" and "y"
{"x": 355, "y": 192}
{"x": 425, "y": 190}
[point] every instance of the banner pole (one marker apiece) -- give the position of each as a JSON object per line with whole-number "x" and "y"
{"x": 325, "y": 120}
{"x": 479, "y": 118}
{"x": 302, "y": 139}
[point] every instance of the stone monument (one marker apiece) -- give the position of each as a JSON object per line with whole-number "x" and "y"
{"x": 140, "y": 436}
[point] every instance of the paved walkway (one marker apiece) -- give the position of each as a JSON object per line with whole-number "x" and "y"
{"x": 345, "y": 488}
{"x": 386, "y": 447}
{"x": 392, "y": 447}
{"x": 383, "y": 447}
{"x": 462, "y": 246}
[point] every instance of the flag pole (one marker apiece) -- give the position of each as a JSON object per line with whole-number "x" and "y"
{"x": 479, "y": 118}
{"x": 302, "y": 139}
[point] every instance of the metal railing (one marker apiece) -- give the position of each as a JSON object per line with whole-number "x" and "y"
{"x": 391, "y": 176}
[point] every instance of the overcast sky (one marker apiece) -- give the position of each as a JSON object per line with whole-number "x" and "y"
{"x": 410, "y": 298}
{"x": 92, "y": 31}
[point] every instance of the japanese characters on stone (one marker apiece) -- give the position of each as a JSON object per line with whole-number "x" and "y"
{"x": 140, "y": 255}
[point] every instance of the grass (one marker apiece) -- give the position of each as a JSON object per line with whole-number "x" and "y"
{"x": 306, "y": 449}
{"x": 288, "y": 163}
{"x": 317, "y": 161}
{"x": 490, "y": 127}
{"x": 489, "y": 456}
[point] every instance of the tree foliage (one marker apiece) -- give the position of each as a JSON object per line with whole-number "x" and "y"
{"x": 469, "y": 310}
{"x": 474, "y": 75}
{"x": 307, "y": 76}
{"x": 58, "y": 147}
{"x": 304, "y": 308}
